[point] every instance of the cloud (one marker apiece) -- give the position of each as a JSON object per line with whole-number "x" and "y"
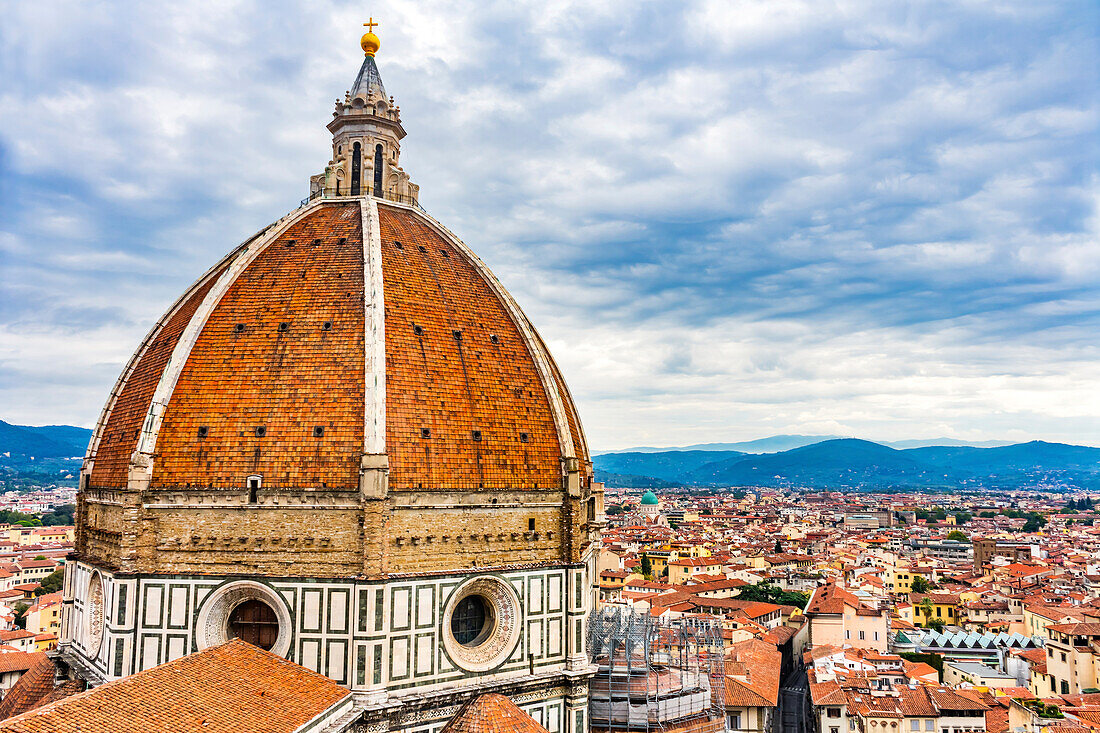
{"x": 728, "y": 219}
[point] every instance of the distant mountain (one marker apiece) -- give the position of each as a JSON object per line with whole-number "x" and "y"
{"x": 845, "y": 461}
{"x": 626, "y": 481}
{"x": 668, "y": 465}
{"x": 761, "y": 445}
{"x": 849, "y": 462}
{"x": 55, "y": 441}
{"x": 1034, "y": 456}
{"x": 68, "y": 435}
{"x": 903, "y": 444}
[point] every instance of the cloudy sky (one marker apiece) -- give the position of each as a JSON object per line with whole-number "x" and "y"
{"x": 730, "y": 219}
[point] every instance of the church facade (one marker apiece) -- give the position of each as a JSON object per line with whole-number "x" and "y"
{"x": 345, "y": 444}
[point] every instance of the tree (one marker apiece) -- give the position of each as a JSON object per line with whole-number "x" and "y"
{"x": 921, "y": 585}
{"x": 778, "y": 546}
{"x": 925, "y": 606}
{"x": 646, "y": 568}
{"x": 1035, "y": 522}
{"x": 962, "y": 518}
{"x": 936, "y": 624}
{"x": 706, "y": 512}
{"x": 987, "y": 515}
{"x": 958, "y": 536}
{"x": 51, "y": 583}
{"x": 60, "y": 516}
{"x": 613, "y": 510}
{"x": 21, "y": 615}
{"x": 768, "y": 593}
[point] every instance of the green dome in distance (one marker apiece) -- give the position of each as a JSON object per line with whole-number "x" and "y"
{"x": 649, "y": 499}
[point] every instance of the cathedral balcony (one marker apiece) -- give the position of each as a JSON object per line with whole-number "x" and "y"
{"x": 386, "y": 196}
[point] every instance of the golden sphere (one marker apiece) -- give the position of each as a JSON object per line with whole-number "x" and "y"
{"x": 370, "y": 43}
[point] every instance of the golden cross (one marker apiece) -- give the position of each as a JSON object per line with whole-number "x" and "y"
{"x": 370, "y": 25}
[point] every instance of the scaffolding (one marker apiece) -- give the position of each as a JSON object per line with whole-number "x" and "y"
{"x": 655, "y": 675}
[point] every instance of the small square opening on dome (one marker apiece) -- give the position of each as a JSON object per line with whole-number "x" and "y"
{"x": 418, "y": 329}
{"x": 342, "y": 241}
{"x": 524, "y": 437}
{"x": 326, "y": 326}
{"x": 203, "y": 431}
{"x": 260, "y": 431}
{"x": 284, "y": 327}
{"x": 457, "y": 335}
{"x": 318, "y": 431}
{"x": 494, "y": 338}
{"x": 239, "y": 328}
{"x": 425, "y": 432}
{"x": 316, "y": 242}
{"x": 398, "y": 245}
{"x": 477, "y": 435}
{"x": 422, "y": 248}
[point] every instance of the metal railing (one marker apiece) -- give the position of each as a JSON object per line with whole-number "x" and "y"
{"x": 386, "y": 196}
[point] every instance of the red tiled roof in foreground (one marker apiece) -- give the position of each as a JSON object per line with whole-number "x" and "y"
{"x": 491, "y": 714}
{"x": 36, "y": 687}
{"x": 232, "y": 687}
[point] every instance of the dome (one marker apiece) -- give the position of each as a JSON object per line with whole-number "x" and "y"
{"x": 649, "y": 499}
{"x": 310, "y": 345}
{"x": 349, "y": 393}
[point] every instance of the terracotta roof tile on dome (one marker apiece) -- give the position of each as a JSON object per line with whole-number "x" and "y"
{"x": 286, "y": 381}
{"x": 457, "y": 366}
{"x": 130, "y": 402}
{"x": 467, "y": 369}
{"x": 354, "y": 349}
{"x": 491, "y": 714}
{"x": 234, "y": 688}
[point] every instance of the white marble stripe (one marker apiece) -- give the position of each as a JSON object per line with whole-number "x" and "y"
{"x": 142, "y": 459}
{"x": 530, "y": 336}
{"x": 374, "y": 323}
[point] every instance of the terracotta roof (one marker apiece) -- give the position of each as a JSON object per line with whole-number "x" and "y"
{"x": 19, "y": 661}
{"x": 36, "y": 687}
{"x": 234, "y": 687}
{"x": 491, "y": 714}
{"x": 1076, "y": 629}
{"x": 759, "y": 672}
{"x": 831, "y": 598}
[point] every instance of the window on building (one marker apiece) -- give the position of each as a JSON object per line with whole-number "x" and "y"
{"x": 1065, "y": 687}
{"x": 356, "y": 168}
{"x": 847, "y": 634}
{"x": 862, "y": 635}
{"x": 834, "y": 712}
{"x": 914, "y": 724}
{"x": 378, "y": 171}
{"x": 930, "y": 725}
{"x": 255, "y": 622}
{"x": 876, "y": 636}
{"x": 735, "y": 721}
{"x": 939, "y": 611}
{"x": 1063, "y": 656}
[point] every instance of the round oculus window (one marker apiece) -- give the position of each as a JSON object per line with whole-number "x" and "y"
{"x": 255, "y": 622}
{"x": 245, "y": 610}
{"x": 481, "y": 623}
{"x": 471, "y": 620}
